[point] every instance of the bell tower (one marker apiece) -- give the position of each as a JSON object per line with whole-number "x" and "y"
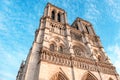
{"x": 55, "y": 14}
{"x": 66, "y": 52}
{"x": 91, "y": 39}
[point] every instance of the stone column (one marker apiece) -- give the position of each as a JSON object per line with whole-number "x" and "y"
{"x": 48, "y": 11}
{"x": 82, "y": 27}
{"x": 65, "y": 19}
{"x": 62, "y": 18}
{"x": 32, "y": 69}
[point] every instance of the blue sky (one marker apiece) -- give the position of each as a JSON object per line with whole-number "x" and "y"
{"x": 20, "y": 18}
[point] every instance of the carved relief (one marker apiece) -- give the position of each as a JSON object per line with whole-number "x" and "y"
{"x": 61, "y": 45}
{"x": 78, "y": 51}
{"x": 89, "y": 76}
{"x": 93, "y": 40}
{"x": 79, "y": 62}
{"x": 57, "y": 28}
{"x": 76, "y": 36}
{"x": 59, "y": 76}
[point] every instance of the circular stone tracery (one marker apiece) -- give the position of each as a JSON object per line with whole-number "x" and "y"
{"x": 78, "y": 51}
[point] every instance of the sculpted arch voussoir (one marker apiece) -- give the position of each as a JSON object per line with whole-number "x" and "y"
{"x": 88, "y": 76}
{"x": 59, "y": 76}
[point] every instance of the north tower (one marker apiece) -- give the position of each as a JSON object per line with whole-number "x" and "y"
{"x": 66, "y": 52}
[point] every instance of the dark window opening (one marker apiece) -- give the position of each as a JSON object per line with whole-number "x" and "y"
{"x": 87, "y": 29}
{"x": 52, "y": 47}
{"x": 60, "y": 49}
{"x": 59, "y": 20}
{"x": 53, "y": 15}
{"x": 76, "y": 27}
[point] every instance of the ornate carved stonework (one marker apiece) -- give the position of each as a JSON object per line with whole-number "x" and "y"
{"x": 59, "y": 76}
{"x": 76, "y": 36}
{"x": 79, "y": 62}
{"x": 66, "y": 52}
{"x": 78, "y": 51}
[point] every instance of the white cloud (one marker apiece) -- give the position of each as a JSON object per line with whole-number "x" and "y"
{"x": 6, "y": 75}
{"x": 91, "y": 11}
{"x": 114, "y": 50}
{"x": 117, "y": 39}
{"x": 10, "y": 61}
{"x": 114, "y": 9}
{"x": 115, "y": 55}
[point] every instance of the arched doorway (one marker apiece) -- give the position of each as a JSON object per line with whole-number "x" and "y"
{"x": 89, "y": 76}
{"x": 59, "y": 76}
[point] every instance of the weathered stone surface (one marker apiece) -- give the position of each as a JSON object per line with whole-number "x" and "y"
{"x": 64, "y": 52}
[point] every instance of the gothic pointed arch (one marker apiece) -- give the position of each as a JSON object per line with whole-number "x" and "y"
{"x": 61, "y": 44}
{"x": 59, "y": 17}
{"x": 89, "y": 76}
{"x": 52, "y": 46}
{"x": 59, "y": 76}
{"x": 53, "y": 14}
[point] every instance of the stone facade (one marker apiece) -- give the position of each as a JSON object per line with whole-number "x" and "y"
{"x": 66, "y": 52}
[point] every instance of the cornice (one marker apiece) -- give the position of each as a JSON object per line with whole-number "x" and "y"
{"x": 78, "y": 62}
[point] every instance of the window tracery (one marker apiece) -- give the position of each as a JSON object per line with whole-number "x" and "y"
{"x": 89, "y": 76}
{"x": 78, "y": 51}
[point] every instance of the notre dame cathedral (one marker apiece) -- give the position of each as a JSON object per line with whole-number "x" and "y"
{"x": 66, "y": 52}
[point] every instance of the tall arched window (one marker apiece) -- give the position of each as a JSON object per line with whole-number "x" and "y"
{"x": 76, "y": 27}
{"x": 53, "y": 15}
{"x": 60, "y": 49}
{"x": 52, "y": 47}
{"x": 87, "y": 29}
{"x": 58, "y": 17}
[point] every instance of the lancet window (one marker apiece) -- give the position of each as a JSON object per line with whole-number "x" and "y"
{"x": 52, "y": 47}
{"x": 60, "y": 49}
{"x": 53, "y": 15}
{"x": 59, "y": 17}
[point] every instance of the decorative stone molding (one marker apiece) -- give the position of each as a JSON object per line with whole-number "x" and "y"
{"x": 59, "y": 76}
{"x": 76, "y": 36}
{"x": 79, "y": 62}
{"x": 56, "y": 27}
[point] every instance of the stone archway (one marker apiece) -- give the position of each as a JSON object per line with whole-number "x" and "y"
{"x": 59, "y": 76}
{"x": 89, "y": 76}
